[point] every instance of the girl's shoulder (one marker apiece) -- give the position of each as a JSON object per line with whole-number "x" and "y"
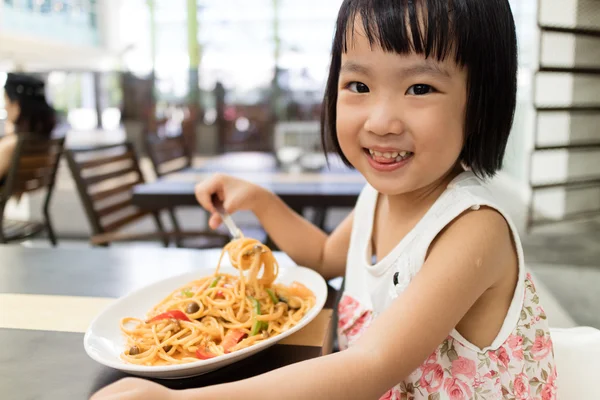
{"x": 467, "y": 193}
{"x": 468, "y": 205}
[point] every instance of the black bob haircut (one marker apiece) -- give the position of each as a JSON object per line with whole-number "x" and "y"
{"x": 37, "y": 117}
{"x": 479, "y": 35}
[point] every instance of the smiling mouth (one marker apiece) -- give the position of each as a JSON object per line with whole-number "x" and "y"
{"x": 389, "y": 157}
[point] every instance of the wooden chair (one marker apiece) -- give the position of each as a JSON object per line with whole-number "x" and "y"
{"x": 105, "y": 177}
{"x": 168, "y": 154}
{"x": 34, "y": 166}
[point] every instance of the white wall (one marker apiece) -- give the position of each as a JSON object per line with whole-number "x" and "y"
{"x": 561, "y": 89}
{"x": 555, "y": 89}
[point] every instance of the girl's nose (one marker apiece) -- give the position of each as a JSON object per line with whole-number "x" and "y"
{"x": 384, "y": 119}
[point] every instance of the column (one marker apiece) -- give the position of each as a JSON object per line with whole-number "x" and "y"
{"x": 276, "y": 110}
{"x": 193, "y": 52}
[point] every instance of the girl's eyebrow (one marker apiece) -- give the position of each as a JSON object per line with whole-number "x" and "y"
{"x": 354, "y": 67}
{"x": 417, "y": 68}
{"x": 425, "y": 67}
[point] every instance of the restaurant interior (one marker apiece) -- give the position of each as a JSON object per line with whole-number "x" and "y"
{"x": 152, "y": 97}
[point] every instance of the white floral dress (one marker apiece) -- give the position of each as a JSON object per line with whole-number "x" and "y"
{"x": 519, "y": 365}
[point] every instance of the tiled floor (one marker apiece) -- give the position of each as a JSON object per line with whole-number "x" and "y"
{"x": 576, "y": 243}
{"x": 575, "y": 288}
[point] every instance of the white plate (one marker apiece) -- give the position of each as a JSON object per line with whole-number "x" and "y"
{"x": 104, "y": 341}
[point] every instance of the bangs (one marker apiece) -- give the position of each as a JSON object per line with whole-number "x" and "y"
{"x": 431, "y": 28}
{"x": 478, "y": 35}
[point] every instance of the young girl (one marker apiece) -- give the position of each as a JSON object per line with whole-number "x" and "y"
{"x": 437, "y": 303}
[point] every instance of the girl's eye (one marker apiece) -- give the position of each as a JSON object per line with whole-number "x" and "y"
{"x": 419, "y": 89}
{"x": 358, "y": 87}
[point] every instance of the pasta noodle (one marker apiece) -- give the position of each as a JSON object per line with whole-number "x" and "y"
{"x": 218, "y": 314}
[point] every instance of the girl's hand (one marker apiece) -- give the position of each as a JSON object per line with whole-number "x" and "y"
{"x": 136, "y": 389}
{"x": 236, "y": 194}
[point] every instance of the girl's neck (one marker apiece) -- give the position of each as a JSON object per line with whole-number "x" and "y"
{"x": 416, "y": 203}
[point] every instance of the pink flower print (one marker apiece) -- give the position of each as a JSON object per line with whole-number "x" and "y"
{"x": 540, "y": 311}
{"x": 515, "y": 342}
{"x": 521, "y": 387}
{"x": 503, "y": 357}
{"x": 464, "y": 366}
{"x": 548, "y": 393}
{"x": 432, "y": 376}
{"x": 457, "y": 389}
{"x": 490, "y": 374}
{"x": 359, "y": 327}
{"x": 518, "y": 354}
{"x": 552, "y": 377}
{"x": 432, "y": 358}
{"x": 346, "y": 310}
{"x": 345, "y": 303}
{"x": 549, "y": 389}
{"x": 541, "y": 347}
{"x": 392, "y": 394}
{"x": 387, "y": 396}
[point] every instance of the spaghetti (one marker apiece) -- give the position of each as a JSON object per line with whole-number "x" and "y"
{"x": 218, "y": 314}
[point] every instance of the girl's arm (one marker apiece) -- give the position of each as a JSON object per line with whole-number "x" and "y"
{"x": 306, "y": 244}
{"x": 468, "y": 258}
{"x": 472, "y": 255}
{"x": 302, "y": 241}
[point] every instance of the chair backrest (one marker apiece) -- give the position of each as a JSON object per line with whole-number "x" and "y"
{"x": 169, "y": 154}
{"x": 105, "y": 177}
{"x": 34, "y": 166}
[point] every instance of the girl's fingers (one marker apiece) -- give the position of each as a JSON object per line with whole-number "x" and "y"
{"x": 203, "y": 197}
{"x": 204, "y": 191}
{"x": 215, "y": 221}
{"x": 234, "y": 202}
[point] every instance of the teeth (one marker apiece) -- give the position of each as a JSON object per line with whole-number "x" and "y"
{"x": 403, "y": 155}
{"x": 398, "y": 156}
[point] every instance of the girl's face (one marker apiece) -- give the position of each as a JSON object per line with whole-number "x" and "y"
{"x": 12, "y": 109}
{"x": 400, "y": 118}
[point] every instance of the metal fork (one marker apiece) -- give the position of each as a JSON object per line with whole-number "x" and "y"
{"x": 235, "y": 232}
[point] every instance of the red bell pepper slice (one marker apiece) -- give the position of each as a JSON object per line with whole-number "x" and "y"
{"x": 204, "y": 354}
{"x": 232, "y": 338}
{"x": 176, "y": 314}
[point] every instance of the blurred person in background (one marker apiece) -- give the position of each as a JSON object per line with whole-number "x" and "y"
{"x": 27, "y": 112}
